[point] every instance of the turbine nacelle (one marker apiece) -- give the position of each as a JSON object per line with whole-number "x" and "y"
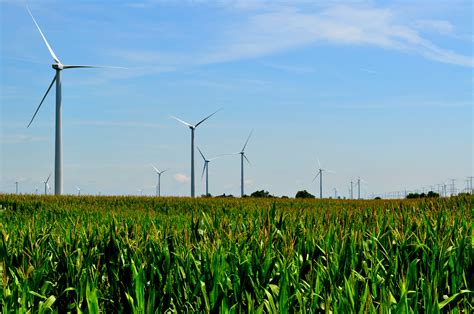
{"x": 57, "y": 66}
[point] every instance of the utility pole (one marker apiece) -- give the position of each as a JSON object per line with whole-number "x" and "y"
{"x": 453, "y": 188}
{"x": 470, "y": 185}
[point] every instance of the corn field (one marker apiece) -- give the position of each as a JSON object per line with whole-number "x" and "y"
{"x": 155, "y": 255}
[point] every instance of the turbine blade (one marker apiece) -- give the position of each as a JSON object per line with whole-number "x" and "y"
{"x": 91, "y": 66}
{"x": 203, "y": 169}
{"x": 183, "y": 122}
{"x": 202, "y": 155}
{"x": 319, "y": 164}
{"x": 164, "y": 171}
{"x": 50, "y": 85}
{"x": 248, "y": 138}
{"x": 157, "y": 171}
{"x": 247, "y": 159}
{"x": 207, "y": 117}
{"x": 44, "y": 38}
{"x": 316, "y": 177}
{"x": 48, "y": 178}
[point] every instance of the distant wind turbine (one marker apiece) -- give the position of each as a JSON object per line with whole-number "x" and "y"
{"x": 78, "y": 191}
{"x": 206, "y": 169}
{"x": 58, "y": 67}
{"x": 359, "y": 180}
{"x": 46, "y": 185}
{"x": 158, "y": 184}
{"x": 242, "y": 156}
{"x": 320, "y": 175}
{"x": 193, "y": 128}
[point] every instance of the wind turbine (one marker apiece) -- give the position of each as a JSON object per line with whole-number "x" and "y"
{"x": 193, "y": 128}
{"x": 242, "y": 156}
{"x": 58, "y": 67}
{"x": 78, "y": 191}
{"x": 352, "y": 190}
{"x": 46, "y": 185}
{"x": 320, "y": 174}
{"x": 158, "y": 185}
{"x": 359, "y": 180}
{"x": 206, "y": 169}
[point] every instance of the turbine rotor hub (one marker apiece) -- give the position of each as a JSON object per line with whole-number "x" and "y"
{"x": 57, "y": 66}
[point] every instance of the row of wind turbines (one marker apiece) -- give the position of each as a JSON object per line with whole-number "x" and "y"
{"x": 58, "y": 66}
{"x": 206, "y": 161}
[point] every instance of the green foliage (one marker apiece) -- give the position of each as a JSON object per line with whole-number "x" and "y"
{"x": 430, "y": 194}
{"x": 261, "y": 193}
{"x": 304, "y": 194}
{"x": 152, "y": 255}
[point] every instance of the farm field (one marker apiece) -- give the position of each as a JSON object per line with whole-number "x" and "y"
{"x": 144, "y": 255}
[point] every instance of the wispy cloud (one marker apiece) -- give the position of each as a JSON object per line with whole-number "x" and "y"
{"x": 440, "y": 26}
{"x": 290, "y": 68}
{"x": 20, "y": 139}
{"x": 271, "y": 32}
{"x": 285, "y": 27}
{"x": 181, "y": 178}
{"x": 120, "y": 124}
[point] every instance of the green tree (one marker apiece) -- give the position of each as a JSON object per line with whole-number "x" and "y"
{"x": 304, "y": 194}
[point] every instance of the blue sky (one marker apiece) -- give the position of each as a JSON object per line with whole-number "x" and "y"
{"x": 377, "y": 89}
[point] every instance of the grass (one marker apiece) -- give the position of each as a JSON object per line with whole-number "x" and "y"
{"x": 144, "y": 255}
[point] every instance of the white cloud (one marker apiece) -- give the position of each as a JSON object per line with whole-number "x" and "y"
{"x": 280, "y": 28}
{"x": 267, "y": 33}
{"x": 439, "y": 26}
{"x": 181, "y": 178}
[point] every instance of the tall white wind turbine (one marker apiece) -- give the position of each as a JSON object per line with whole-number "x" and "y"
{"x": 78, "y": 191}
{"x": 320, "y": 175}
{"x": 242, "y": 156}
{"x": 158, "y": 184}
{"x": 193, "y": 128}
{"x": 58, "y": 67}
{"x": 206, "y": 169}
{"x": 46, "y": 185}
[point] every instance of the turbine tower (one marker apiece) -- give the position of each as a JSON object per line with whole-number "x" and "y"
{"x": 46, "y": 185}
{"x": 359, "y": 180}
{"x": 206, "y": 169}
{"x": 358, "y": 188}
{"x": 242, "y": 156}
{"x": 320, "y": 175}
{"x": 78, "y": 191}
{"x": 158, "y": 184}
{"x": 193, "y": 128}
{"x": 58, "y": 67}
